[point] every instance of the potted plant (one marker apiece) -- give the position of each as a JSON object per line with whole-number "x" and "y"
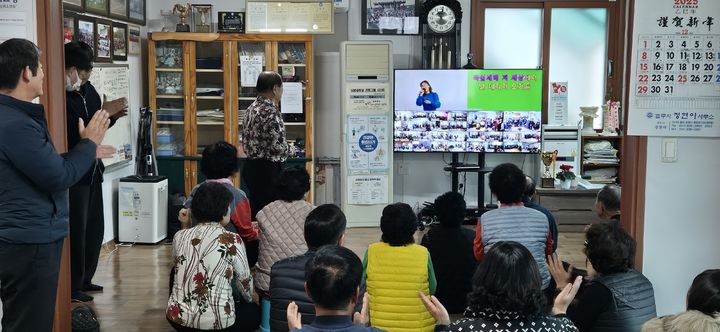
{"x": 566, "y": 176}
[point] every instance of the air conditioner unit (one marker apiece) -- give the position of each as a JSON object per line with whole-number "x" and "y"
{"x": 341, "y": 6}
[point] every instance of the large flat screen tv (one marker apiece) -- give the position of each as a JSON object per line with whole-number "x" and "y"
{"x": 467, "y": 110}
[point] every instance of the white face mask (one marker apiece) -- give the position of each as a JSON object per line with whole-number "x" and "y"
{"x": 69, "y": 86}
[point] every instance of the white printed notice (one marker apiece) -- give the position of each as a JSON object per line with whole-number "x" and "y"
{"x": 367, "y": 143}
{"x": 292, "y": 98}
{"x": 367, "y": 189}
{"x": 558, "y": 114}
{"x": 675, "y": 69}
{"x": 367, "y": 98}
{"x": 250, "y": 69}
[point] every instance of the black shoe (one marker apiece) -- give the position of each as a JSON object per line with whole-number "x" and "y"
{"x": 81, "y": 297}
{"x": 92, "y": 288}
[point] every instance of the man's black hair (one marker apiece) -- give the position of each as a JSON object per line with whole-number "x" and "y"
{"x": 78, "y": 54}
{"x": 398, "y": 224}
{"x": 292, "y": 184}
{"x": 332, "y": 277}
{"x": 210, "y": 202}
{"x": 219, "y": 161}
{"x": 450, "y": 209}
{"x": 16, "y": 54}
{"x": 508, "y": 183}
{"x": 267, "y": 80}
{"x": 324, "y": 225}
{"x": 609, "y": 196}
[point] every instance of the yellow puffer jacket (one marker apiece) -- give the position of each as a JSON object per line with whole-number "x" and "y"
{"x": 394, "y": 277}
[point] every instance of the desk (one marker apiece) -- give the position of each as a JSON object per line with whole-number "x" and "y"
{"x": 573, "y": 208}
{"x": 455, "y": 168}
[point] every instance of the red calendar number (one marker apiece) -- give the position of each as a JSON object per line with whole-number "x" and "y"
{"x": 642, "y": 90}
{"x": 643, "y": 78}
{"x": 643, "y": 66}
{"x": 644, "y": 55}
{"x": 682, "y": 78}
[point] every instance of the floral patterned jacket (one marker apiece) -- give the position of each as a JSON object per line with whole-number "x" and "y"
{"x": 207, "y": 260}
{"x": 263, "y": 132}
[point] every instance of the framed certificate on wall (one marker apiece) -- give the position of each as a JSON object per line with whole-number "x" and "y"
{"x": 289, "y": 17}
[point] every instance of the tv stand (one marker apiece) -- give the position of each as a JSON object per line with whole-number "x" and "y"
{"x": 456, "y": 167}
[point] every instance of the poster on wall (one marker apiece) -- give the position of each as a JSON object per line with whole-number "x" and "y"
{"x": 368, "y": 143}
{"x": 367, "y": 97}
{"x": 17, "y": 20}
{"x": 558, "y": 113}
{"x": 367, "y": 189}
{"x": 675, "y": 69}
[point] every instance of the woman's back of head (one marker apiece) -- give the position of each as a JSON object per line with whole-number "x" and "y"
{"x": 508, "y": 279}
{"x": 704, "y": 293}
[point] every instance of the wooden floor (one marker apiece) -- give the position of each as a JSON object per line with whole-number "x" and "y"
{"x": 136, "y": 279}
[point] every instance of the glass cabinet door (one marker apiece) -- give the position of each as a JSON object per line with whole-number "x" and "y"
{"x": 292, "y": 66}
{"x": 209, "y": 93}
{"x": 169, "y": 94}
{"x": 251, "y": 60}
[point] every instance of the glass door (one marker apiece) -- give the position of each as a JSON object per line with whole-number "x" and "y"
{"x": 252, "y": 59}
{"x": 293, "y": 68}
{"x": 209, "y": 109}
{"x": 169, "y": 97}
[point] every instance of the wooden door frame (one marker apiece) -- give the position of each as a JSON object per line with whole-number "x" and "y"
{"x": 49, "y": 20}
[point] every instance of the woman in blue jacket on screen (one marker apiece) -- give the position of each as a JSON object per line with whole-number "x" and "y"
{"x": 427, "y": 98}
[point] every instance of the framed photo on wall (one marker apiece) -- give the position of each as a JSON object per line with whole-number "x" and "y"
{"x": 99, "y": 7}
{"x": 103, "y": 41}
{"x": 120, "y": 41}
{"x": 133, "y": 40}
{"x": 76, "y": 5}
{"x": 85, "y": 30}
{"x": 390, "y": 17}
{"x": 136, "y": 11}
{"x": 119, "y": 9}
{"x": 69, "y": 26}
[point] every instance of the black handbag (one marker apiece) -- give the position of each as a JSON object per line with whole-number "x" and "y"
{"x": 84, "y": 319}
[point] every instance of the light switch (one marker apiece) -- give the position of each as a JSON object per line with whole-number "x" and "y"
{"x": 669, "y": 150}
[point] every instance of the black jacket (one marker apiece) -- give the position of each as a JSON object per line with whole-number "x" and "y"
{"x": 287, "y": 284}
{"x": 451, "y": 251}
{"x": 35, "y": 178}
{"x": 84, "y": 104}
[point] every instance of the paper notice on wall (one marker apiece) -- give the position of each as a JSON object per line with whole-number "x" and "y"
{"x": 17, "y": 20}
{"x": 250, "y": 69}
{"x": 257, "y": 16}
{"x": 367, "y": 189}
{"x": 367, "y": 143}
{"x": 292, "y": 98}
{"x": 558, "y": 114}
{"x": 367, "y": 98}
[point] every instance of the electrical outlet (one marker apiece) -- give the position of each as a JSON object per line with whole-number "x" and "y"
{"x": 402, "y": 169}
{"x": 669, "y": 150}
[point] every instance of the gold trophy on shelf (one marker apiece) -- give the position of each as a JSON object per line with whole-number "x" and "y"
{"x": 548, "y": 159}
{"x": 183, "y": 11}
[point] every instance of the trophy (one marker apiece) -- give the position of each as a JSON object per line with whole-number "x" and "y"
{"x": 548, "y": 158}
{"x": 183, "y": 11}
{"x": 202, "y": 17}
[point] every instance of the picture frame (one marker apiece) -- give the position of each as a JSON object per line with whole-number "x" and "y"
{"x": 118, "y": 9}
{"x": 85, "y": 30}
{"x": 99, "y": 7}
{"x": 119, "y": 41}
{"x": 231, "y": 22}
{"x": 103, "y": 40}
{"x": 137, "y": 11}
{"x": 76, "y": 5}
{"x": 397, "y": 18}
{"x": 69, "y": 27}
{"x": 134, "y": 47}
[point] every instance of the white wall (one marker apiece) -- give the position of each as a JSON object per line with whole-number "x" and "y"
{"x": 681, "y": 223}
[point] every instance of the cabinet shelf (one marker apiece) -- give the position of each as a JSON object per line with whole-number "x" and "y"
{"x": 224, "y": 49}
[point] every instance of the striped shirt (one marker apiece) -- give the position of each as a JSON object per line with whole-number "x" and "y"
{"x": 524, "y": 225}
